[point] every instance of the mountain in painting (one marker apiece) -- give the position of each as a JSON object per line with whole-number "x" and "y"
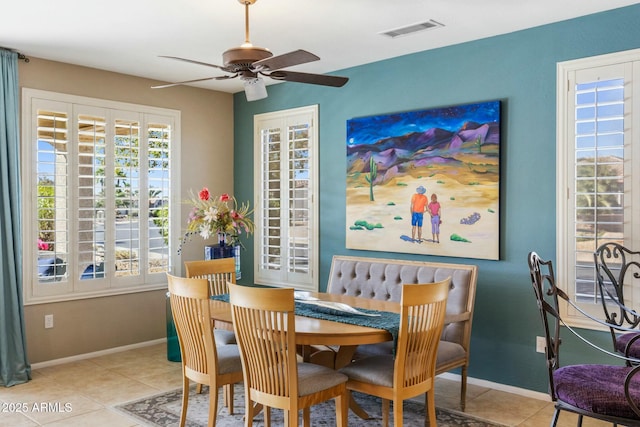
{"x": 397, "y": 155}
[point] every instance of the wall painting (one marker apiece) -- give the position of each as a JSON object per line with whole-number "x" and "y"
{"x": 445, "y": 162}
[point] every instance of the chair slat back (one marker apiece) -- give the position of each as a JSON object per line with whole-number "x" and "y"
{"x": 423, "y": 308}
{"x": 217, "y": 271}
{"x": 264, "y": 321}
{"x": 189, "y": 300}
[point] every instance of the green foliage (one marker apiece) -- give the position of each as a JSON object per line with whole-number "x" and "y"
{"x": 161, "y": 220}
{"x": 402, "y": 184}
{"x": 391, "y": 204}
{"x": 46, "y": 210}
{"x": 397, "y": 218}
{"x": 474, "y": 183}
{"x": 457, "y": 238}
{"x": 362, "y": 224}
{"x": 440, "y": 181}
{"x": 491, "y": 210}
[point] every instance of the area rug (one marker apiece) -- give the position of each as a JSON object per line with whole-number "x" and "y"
{"x": 163, "y": 410}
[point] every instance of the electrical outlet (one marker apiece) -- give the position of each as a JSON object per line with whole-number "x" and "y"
{"x": 541, "y": 344}
{"x": 48, "y": 321}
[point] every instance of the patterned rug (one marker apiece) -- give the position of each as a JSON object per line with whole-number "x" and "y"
{"x": 163, "y": 410}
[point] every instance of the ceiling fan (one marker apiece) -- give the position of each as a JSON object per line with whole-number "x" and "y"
{"x": 249, "y": 62}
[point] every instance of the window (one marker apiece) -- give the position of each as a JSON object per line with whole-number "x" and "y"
{"x": 286, "y": 163}
{"x": 99, "y": 189}
{"x": 598, "y": 148}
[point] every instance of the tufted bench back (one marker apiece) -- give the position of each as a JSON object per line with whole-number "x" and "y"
{"x": 381, "y": 279}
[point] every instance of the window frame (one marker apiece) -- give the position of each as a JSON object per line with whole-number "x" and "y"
{"x": 37, "y": 292}
{"x": 628, "y": 68}
{"x": 281, "y": 278}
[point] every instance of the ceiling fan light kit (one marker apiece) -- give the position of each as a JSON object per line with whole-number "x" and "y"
{"x": 249, "y": 62}
{"x": 254, "y": 88}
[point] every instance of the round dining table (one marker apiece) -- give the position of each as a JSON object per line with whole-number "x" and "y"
{"x": 327, "y": 342}
{"x": 313, "y": 331}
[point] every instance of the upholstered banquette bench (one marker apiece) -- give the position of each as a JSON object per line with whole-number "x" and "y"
{"x": 382, "y": 279}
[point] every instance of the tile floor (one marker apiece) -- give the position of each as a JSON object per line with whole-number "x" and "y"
{"x": 83, "y": 393}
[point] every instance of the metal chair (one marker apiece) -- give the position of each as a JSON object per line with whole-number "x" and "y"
{"x": 617, "y": 267}
{"x": 202, "y": 361}
{"x": 606, "y": 392}
{"x": 411, "y": 371}
{"x": 264, "y": 321}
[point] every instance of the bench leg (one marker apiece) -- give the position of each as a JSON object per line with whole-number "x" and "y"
{"x": 463, "y": 388}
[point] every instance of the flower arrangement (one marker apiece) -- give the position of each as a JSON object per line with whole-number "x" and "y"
{"x": 222, "y": 215}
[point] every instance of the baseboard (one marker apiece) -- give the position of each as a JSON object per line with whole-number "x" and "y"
{"x": 77, "y": 357}
{"x": 447, "y": 375}
{"x": 500, "y": 387}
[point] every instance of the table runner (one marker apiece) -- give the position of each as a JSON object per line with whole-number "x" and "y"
{"x": 386, "y": 320}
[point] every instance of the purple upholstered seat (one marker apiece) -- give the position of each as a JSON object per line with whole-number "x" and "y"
{"x": 596, "y": 388}
{"x": 623, "y": 340}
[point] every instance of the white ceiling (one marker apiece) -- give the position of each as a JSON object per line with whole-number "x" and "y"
{"x": 126, "y": 36}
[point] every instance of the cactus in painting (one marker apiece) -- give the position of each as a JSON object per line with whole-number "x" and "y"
{"x": 479, "y": 144}
{"x": 373, "y": 173}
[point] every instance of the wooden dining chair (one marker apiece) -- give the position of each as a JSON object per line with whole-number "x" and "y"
{"x": 264, "y": 321}
{"x": 412, "y": 371}
{"x": 202, "y": 361}
{"x": 218, "y": 272}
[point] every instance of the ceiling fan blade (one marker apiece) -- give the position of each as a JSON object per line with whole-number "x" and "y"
{"x": 206, "y": 64}
{"x": 285, "y": 60}
{"x": 314, "y": 79}
{"x": 193, "y": 81}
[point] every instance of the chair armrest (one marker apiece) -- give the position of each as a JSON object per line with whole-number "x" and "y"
{"x": 455, "y": 318}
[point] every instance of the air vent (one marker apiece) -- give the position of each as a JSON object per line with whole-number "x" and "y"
{"x": 414, "y": 28}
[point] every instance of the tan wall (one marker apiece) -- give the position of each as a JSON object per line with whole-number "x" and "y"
{"x": 89, "y": 325}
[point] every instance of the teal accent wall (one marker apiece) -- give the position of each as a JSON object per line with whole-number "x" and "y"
{"x": 518, "y": 69}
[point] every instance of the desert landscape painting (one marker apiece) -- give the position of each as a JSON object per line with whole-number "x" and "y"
{"x": 451, "y": 152}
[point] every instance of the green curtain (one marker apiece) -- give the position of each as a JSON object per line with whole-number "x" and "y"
{"x": 14, "y": 367}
